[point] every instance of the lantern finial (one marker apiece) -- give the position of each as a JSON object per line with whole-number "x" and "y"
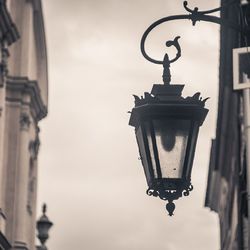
{"x": 166, "y": 61}
{"x": 44, "y": 208}
{"x": 170, "y": 206}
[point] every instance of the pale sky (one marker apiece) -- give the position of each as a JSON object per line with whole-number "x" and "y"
{"x": 89, "y": 172}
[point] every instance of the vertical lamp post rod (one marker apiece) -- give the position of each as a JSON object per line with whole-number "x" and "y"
{"x": 246, "y": 103}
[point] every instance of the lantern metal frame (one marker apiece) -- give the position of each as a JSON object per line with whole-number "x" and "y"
{"x": 165, "y": 102}
{"x": 167, "y": 98}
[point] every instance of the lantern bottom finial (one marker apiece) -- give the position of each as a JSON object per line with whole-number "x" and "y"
{"x": 170, "y": 206}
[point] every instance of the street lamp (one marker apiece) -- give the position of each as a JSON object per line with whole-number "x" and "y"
{"x": 43, "y": 225}
{"x": 166, "y": 127}
{"x": 167, "y": 124}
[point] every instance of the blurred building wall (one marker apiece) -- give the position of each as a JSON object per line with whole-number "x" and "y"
{"x": 23, "y": 103}
{"x": 226, "y": 189}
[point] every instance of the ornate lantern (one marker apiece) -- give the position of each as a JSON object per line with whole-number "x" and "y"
{"x": 166, "y": 127}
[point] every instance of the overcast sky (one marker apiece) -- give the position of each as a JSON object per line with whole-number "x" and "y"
{"x": 89, "y": 172}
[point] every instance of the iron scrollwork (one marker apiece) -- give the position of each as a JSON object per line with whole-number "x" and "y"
{"x": 149, "y": 98}
{"x": 170, "y": 194}
{"x": 194, "y": 15}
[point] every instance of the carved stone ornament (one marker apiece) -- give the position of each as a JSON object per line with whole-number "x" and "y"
{"x": 25, "y": 121}
{"x": 4, "y": 61}
{"x": 34, "y": 148}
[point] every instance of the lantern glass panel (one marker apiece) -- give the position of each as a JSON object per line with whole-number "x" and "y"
{"x": 43, "y": 229}
{"x": 171, "y": 136}
{"x": 142, "y": 150}
{"x": 148, "y": 129}
{"x": 194, "y": 135}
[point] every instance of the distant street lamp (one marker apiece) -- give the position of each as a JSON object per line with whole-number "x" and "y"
{"x": 167, "y": 125}
{"x": 43, "y": 225}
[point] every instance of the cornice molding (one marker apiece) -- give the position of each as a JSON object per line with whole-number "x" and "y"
{"x": 24, "y": 85}
{"x": 8, "y": 30}
{"x": 40, "y": 34}
{"x": 20, "y": 245}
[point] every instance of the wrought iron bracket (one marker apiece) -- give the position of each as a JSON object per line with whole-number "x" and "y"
{"x": 194, "y": 15}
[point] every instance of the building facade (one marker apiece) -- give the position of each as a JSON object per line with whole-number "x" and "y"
{"x": 226, "y": 188}
{"x": 23, "y": 103}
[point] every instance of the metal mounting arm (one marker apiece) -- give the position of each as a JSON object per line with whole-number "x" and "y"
{"x": 195, "y": 15}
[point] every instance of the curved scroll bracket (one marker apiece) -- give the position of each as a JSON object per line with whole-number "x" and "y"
{"x": 195, "y": 15}
{"x": 166, "y": 61}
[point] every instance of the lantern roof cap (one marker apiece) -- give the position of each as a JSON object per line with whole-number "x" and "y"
{"x": 167, "y": 89}
{"x": 44, "y": 217}
{"x": 167, "y": 101}
{"x": 168, "y": 94}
